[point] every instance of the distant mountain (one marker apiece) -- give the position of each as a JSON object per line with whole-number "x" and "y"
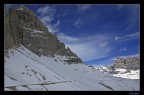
{"x": 128, "y": 63}
{"x": 123, "y": 65}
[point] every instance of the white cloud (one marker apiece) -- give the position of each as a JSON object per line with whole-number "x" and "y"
{"x": 88, "y": 51}
{"x": 134, "y": 16}
{"x": 66, "y": 39}
{"x": 52, "y": 29}
{"x": 103, "y": 44}
{"x": 128, "y": 37}
{"x": 47, "y": 15}
{"x": 47, "y": 10}
{"x": 46, "y": 19}
{"x": 87, "y": 48}
{"x": 83, "y": 7}
{"x": 116, "y": 38}
{"x": 57, "y": 23}
{"x": 123, "y": 49}
{"x": 78, "y": 23}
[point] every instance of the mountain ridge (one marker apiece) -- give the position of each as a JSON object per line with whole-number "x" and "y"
{"x": 21, "y": 26}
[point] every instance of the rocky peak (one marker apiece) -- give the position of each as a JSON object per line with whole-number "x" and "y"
{"x": 123, "y": 65}
{"x": 24, "y": 17}
{"x": 127, "y": 63}
{"x": 23, "y": 27}
{"x": 132, "y": 63}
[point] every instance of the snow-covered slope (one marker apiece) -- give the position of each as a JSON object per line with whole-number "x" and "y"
{"x": 24, "y": 70}
{"x": 131, "y": 75}
{"x": 122, "y": 73}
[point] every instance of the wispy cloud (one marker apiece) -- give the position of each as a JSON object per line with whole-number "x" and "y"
{"x": 87, "y": 48}
{"x": 46, "y": 19}
{"x": 47, "y": 15}
{"x": 83, "y": 7}
{"x": 57, "y": 23}
{"x": 78, "y": 23}
{"x": 128, "y": 37}
{"x": 52, "y": 28}
{"x": 47, "y": 10}
{"x": 66, "y": 39}
{"x": 123, "y": 49}
{"x": 134, "y": 16}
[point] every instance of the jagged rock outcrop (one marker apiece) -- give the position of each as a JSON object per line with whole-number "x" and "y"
{"x": 122, "y": 65}
{"x": 129, "y": 63}
{"x": 132, "y": 63}
{"x": 21, "y": 26}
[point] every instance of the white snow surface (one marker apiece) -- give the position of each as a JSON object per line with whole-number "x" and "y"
{"x": 122, "y": 73}
{"x": 26, "y": 71}
{"x": 33, "y": 30}
{"x": 132, "y": 75}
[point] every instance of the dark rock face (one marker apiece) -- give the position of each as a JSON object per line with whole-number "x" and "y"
{"x": 23, "y": 17}
{"x": 22, "y": 26}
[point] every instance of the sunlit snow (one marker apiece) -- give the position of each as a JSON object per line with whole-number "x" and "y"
{"x": 24, "y": 70}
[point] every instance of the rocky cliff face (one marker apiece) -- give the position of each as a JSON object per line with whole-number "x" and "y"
{"x": 129, "y": 63}
{"x": 124, "y": 65}
{"x": 132, "y": 63}
{"x": 21, "y": 26}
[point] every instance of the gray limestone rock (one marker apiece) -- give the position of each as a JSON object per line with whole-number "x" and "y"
{"x": 22, "y": 26}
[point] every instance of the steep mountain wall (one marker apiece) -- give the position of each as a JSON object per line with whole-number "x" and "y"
{"x": 21, "y": 26}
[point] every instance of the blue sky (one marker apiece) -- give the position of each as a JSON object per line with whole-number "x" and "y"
{"x": 97, "y": 33}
